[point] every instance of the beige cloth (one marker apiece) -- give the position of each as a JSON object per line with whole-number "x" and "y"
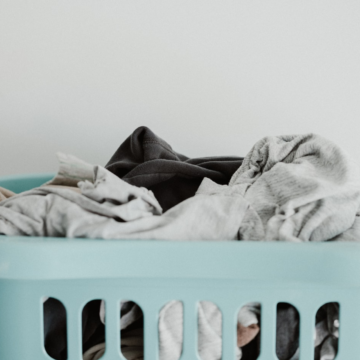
{"x": 246, "y": 334}
{"x": 5, "y": 194}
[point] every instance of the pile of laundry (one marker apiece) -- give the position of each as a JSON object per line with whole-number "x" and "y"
{"x": 288, "y": 188}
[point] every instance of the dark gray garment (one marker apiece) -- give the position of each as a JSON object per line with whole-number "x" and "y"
{"x": 287, "y": 331}
{"x": 251, "y": 351}
{"x": 146, "y": 160}
{"x": 55, "y": 329}
{"x": 93, "y": 331}
{"x": 287, "y": 335}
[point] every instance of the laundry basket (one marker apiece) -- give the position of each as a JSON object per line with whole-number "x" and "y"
{"x": 151, "y": 273}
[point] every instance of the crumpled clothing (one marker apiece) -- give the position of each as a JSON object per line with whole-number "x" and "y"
{"x": 144, "y": 159}
{"x": 128, "y": 202}
{"x": 350, "y": 235}
{"x": 299, "y": 187}
{"x": 5, "y": 194}
{"x": 109, "y": 208}
{"x": 289, "y": 188}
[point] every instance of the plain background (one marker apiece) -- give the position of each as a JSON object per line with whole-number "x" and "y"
{"x": 210, "y": 76}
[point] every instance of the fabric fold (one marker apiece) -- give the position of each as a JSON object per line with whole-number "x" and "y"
{"x": 146, "y": 160}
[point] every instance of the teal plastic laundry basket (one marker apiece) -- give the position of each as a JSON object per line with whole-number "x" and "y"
{"x": 151, "y": 273}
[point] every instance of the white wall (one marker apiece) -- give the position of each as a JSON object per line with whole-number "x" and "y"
{"x": 211, "y": 77}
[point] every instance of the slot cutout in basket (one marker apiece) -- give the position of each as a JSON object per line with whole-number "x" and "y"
{"x": 327, "y": 326}
{"x": 287, "y": 331}
{"x": 131, "y": 330}
{"x": 93, "y": 329}
{"x": 55, "y": 328}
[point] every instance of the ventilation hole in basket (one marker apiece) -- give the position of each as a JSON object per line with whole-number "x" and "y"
{"x": 93, "y": 329}
{"x": 248, "y": 330}
{"x": 287, "y": 331}
{"x": 54, "y": 315}
{"x": 209, "y": 329}
{"x": 132, "y": 330}
{"x": 171, "y": 329}
{"x": 327, "y": 324}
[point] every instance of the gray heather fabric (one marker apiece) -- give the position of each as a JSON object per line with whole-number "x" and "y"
{"x": 351, "y": 234}
{"x": 301, "y": 187}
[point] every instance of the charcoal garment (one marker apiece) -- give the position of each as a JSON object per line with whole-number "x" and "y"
{"x": 55, "y": 327}
{"x": 144, "y": 159}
